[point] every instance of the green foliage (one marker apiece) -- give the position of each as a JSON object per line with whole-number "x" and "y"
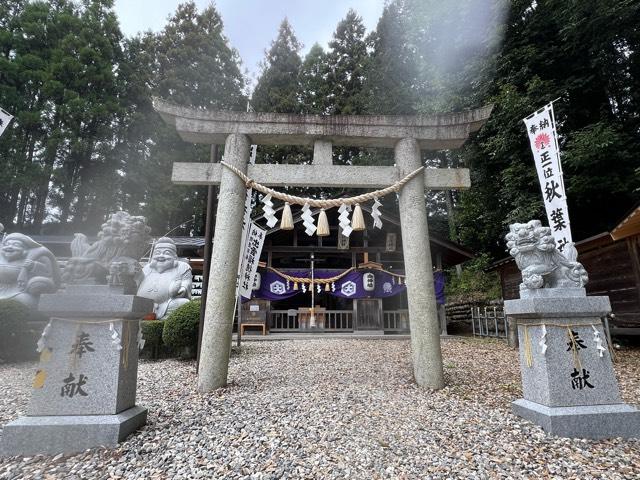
{"x": 552, "y": 49}
{"x": 314, "y": 91}
{"x": 86, "y": 140}
{"x": 474, "y": 284}
{"x": 277, "y": 87}
{"x": 152, "y": 334}
{"x": 180, "y": 331}
{"x": 20, "y": 327}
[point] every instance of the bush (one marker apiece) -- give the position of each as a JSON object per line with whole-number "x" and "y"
{"x": 20, "y": 328}
{"x": 180, "y": 331}
{"x": 475, "y": 284}
{"x": 152, "y": 334}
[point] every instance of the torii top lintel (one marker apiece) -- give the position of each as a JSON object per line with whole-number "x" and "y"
{"x": 433, "y": 132}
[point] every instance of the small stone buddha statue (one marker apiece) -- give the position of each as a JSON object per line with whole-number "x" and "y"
{"x": 167, "y": 280}
{"x": 27, "y": 269}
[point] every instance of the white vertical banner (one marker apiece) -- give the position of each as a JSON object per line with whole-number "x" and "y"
{"x": 542, "y": 133}
{"x": 5, "y": 118}
{"x": 250, "y": 259}
{"x": 246, "y": 220}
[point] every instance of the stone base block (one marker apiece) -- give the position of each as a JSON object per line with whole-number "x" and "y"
{"x": 591, "y": 421}
{"x": 69, "y": 433}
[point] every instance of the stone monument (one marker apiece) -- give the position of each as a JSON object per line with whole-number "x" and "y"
{"x": 27, "y": 270}
{"x": 568, "y": 382}
{"x": 84, "y": 388}
{"x": 167, "y": 280}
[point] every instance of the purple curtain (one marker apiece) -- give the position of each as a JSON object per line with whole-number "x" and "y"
{"x": 352, "y": 285}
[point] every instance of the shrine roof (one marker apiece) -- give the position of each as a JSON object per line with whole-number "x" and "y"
{"x": 628, "y": 226}
{"x": 433, "y": 132}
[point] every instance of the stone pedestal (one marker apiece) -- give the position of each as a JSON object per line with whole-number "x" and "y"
{"x": 84, "y": 387}
{"x": 568, "y": 382}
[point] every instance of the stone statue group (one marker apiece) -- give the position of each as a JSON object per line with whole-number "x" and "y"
{"x": 28, "y": 269}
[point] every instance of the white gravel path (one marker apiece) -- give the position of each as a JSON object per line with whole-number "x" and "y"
{"x": 335, "y": 408}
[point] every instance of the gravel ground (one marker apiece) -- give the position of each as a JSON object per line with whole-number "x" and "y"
{"x": 329, "y": 408}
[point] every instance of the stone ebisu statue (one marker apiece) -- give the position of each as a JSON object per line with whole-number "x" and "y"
{"x": 167, "y": 280}
{"x": 537, "y": 257}
{"x": 27, "y": 269}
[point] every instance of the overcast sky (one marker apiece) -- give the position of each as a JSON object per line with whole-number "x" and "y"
{"x": 251, "y": 25}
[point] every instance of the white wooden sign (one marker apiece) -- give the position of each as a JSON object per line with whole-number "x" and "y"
{"x": 390, "y": 244}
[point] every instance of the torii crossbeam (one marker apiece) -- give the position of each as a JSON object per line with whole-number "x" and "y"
{"x": 407, "y": 135}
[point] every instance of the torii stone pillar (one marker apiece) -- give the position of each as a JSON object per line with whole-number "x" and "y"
{"x": 423, "y": 314}
{"x": 218, "y": 329}
{"x": 406, "y": 134}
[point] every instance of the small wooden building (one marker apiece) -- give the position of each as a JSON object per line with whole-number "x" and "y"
{"x": 289, "y": 251}
{"x": 612, "y": 260}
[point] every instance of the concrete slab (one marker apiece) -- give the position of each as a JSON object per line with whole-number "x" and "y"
{"x": 68, "y": 434}
{"x": 593, "y": 421}
{"x": 97, "y": 305}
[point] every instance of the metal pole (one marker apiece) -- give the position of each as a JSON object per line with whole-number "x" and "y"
{"x": 473, "y": 323}
{"x": 312, "y": 317}
{"x": 208, "y": 240}
{"x": 506, "y": 328}
{"x": 239, "y": 320}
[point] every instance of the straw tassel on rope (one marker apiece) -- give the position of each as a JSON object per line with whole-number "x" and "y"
{"x": 286, "y": 222}
{"x": 323, "y": 224}
{"x": 357, "y": 219}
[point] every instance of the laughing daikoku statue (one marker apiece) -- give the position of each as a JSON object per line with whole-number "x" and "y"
{"x": 167, "y": 280}
{"x": 27, "y": 269}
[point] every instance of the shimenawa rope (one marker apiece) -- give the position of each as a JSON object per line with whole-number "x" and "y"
{"x": 330, "y": 203}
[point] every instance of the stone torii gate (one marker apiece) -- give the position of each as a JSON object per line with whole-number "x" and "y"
{"x": 407, "y": 135}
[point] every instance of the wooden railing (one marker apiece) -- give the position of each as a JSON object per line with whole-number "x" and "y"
{"x": 396, "y": 320}
{"x": 339, "y": 320}
{"x": 334, "y": 320}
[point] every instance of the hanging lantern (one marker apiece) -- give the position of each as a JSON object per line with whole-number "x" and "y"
{"x": 323, "y": 224}
{"x": 286, "y": 222}
{"x": 256, "y": 281}
{"x": 369, "y": 282}
{"x": 357, "y": 219}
